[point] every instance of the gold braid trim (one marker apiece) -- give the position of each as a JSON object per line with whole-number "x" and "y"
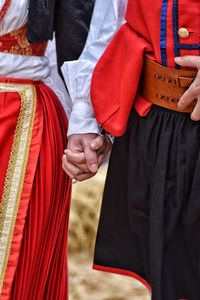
{"x": 16, "y": 169}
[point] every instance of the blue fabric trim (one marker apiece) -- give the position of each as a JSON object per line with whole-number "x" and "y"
{"x": 163, "y": 32}
{"x": 175, "y": 29}
{"x": 189, "y": 46}
{"x": 177, "y": 45}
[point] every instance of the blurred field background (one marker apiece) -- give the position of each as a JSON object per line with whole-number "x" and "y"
{"x": 85, "y": 283}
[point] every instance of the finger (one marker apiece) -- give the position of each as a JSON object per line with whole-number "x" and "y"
{"x": 97, "y": 143}
{"x": 104, "y": 155}
{"x": 195, "y": 115}
{"x": 75, "y": 157}
{"x": 64, "y": 168}
{"x": 71, "y": 172}
{"x": 85, "y": 176}
{"x": 100, "y": 159}
{"x": 82, "y": 168}
{"x": 91, "y": 159}
{"x": 71, "y": 169}
{"x": 67, "y": 172}
{"x": 107, "y": 146}
{"x": 187, "y": 99}
{"x": 190, "y": 61}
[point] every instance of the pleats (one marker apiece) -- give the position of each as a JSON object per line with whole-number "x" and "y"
{"x": 155, "y": 206}
{"x": 169, "y": 149}
{"x": 42, "y": 268}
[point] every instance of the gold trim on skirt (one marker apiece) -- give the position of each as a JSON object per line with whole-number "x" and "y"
{"x": 16, "y": 170}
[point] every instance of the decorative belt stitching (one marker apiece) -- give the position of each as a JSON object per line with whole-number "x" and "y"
{"x": 16, "y": 170}
{"x": 164, "y": 86}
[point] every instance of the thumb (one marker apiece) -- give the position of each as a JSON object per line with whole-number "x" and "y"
{"x": 91, "y": 159}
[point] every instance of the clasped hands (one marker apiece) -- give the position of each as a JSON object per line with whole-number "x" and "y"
{"x": 84, "y": 154}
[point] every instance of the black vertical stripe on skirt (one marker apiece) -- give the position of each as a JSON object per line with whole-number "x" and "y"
{"x": 150, "y": 218}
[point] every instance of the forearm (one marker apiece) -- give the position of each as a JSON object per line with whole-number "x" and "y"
{"x": 107, "y": 18}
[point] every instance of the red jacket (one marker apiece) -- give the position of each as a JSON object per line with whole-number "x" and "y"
{"x": 158, "y": 29}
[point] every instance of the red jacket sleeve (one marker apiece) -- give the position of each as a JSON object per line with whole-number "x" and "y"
{"x": 116, "y": 78}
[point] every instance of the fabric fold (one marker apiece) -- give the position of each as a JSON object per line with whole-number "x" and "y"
{"x": 37, "y": 194}
{"x": 115, "y": 79}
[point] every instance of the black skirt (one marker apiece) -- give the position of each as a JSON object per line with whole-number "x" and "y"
{"x": 150, "y": 220}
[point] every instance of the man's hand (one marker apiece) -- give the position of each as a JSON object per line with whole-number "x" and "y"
{"x": 193, "y": 92}
{"x": 84, "y": 155}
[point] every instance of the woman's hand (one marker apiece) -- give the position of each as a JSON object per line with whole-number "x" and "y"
{"x": 193, "y": 92}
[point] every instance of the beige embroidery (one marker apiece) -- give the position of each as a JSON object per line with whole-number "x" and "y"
{"x": 16, "y": 42}
{"x": 23, "y": 46}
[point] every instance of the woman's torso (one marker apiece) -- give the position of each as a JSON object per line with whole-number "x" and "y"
{"x": 16, "y": 65}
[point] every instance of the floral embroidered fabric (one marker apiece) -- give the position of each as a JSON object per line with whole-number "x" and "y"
{"x": 16, "y": 42}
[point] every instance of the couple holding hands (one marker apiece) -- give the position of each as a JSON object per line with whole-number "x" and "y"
{"x": 135, "y": 76}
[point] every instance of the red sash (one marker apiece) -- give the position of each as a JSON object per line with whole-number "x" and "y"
{"x": 16, "y": 42}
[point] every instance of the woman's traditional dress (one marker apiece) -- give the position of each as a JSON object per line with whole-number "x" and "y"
{"x": 34, "y": 191}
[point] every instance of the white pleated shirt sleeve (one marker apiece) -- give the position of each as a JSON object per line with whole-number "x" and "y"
{"x": 54, "y": 80}
{"x": 108, "y": 16}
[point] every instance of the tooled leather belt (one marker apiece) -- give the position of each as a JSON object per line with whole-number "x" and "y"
{"x": 164, "y": 86}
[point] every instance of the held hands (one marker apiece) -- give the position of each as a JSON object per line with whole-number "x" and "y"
{"x": 84, "y": 155}
{"x": 193, "y": 92}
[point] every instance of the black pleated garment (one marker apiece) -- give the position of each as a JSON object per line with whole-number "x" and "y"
{"x": 150, "y": 219}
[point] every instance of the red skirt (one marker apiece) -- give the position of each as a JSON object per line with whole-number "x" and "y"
{"x": 34, "y": 193}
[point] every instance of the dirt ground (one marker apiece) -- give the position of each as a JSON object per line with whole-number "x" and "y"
{"x": 85, "y": 283}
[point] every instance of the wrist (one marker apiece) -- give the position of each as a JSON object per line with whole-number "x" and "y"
{"x": 109, "y": 136}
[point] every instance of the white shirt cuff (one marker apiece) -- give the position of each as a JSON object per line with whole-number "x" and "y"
{"x": 82, "y": 120}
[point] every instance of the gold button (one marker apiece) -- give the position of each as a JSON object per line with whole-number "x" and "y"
{"x": 183, "y": 33}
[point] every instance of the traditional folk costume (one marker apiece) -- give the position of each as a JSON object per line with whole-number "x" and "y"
{"x": 34, "y": 191}
{"x": 150, "y": 219}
